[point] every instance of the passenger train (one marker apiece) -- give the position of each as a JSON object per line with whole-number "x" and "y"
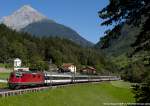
{"x": 24, "y": 79}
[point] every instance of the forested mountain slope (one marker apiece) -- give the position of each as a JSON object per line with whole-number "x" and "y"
{"x": 35, "y": 51}
{"x": 127, "y": 43}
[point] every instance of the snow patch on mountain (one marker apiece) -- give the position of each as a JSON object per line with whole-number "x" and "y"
{"x": 22, "y": 17}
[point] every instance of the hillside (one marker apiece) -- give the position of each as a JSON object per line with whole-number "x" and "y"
{"x": 36, "y": 52}
{"x": 48, "y": 28}
{"x": 28, "y": 19}
{"x": 128, "y": 49}
{"x": 121, "y": 44}
{"x": 119, "y": 48}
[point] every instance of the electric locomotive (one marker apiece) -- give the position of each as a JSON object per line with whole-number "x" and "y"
{"x": 20, "y": 79}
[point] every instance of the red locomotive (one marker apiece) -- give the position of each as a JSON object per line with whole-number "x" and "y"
{"x": 19, "y": 79}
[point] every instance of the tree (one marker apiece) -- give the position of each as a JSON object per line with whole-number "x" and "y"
{"x": 135, "y": 12}
{"x": 4, "y": 49}
{"x": 119, "y": 12}
{"x": 141, "y": 92}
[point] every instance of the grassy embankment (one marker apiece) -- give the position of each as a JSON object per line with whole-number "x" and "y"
{"x": 3, "y": 85}
{"x": 4, "y": 72}
{"x": 79, "y": 95}
{"x": 4, "y": 75}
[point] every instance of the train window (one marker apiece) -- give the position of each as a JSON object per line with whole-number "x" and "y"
{"x": 60, "y": 78}
{"x": 81, "y": 78}
{"x": 47, "y": 78}
{"x": 18, "y": 75}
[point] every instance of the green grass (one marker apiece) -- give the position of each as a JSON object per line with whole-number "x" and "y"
{"x": 121, "y": 84}
{"x": 79, "y": 95}
{"x": 2, "y": 65}
{"x": 4, "y": 75}
{"x": 3, "y": 85}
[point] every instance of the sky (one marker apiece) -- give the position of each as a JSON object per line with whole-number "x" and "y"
{"x": 80, "y": 15}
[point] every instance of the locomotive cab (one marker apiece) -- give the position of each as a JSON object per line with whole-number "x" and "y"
{"x": 14, "y": 80}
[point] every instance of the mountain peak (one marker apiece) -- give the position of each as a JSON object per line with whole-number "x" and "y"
{"x": 27, "y": 8}
{"x": 23, "y": 17}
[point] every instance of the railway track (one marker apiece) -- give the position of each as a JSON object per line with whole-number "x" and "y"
{"x": 4, "y": 90}
{"x": 8, "y": 92}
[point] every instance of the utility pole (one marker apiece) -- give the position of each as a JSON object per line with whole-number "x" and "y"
{"x": 74, "y": 75}
{"x": 50, "y": 62}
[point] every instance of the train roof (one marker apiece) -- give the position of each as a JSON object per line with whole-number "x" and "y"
{"x": 38, "y": 72}
{"x": 58, "y": 74}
